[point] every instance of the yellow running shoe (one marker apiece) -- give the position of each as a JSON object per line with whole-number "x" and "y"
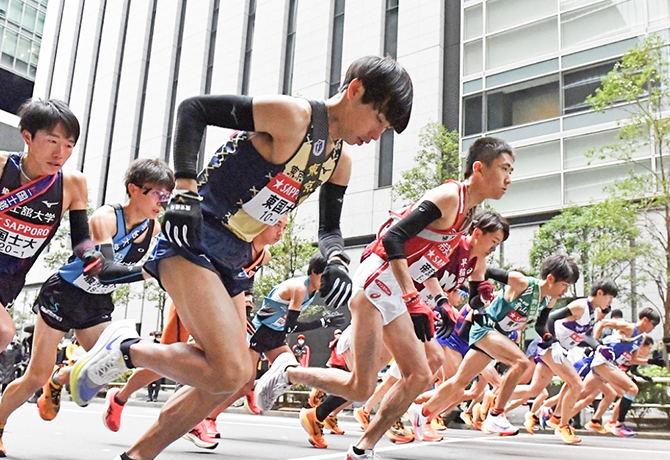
{"x": 399, "y": 434}
{"x": 567, "y": 434}
{"x": 438, "y": 424}
{"x": 595, "y": 427}
{"x": 530, "y": 420}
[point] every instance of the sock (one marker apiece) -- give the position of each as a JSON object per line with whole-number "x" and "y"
{"x": 597, "y": 420}
{"x": 125, "y": 351}
{"x": 116, "y": 400}
{"x": 356, "y": 450}
{"x": 495, "y": 411}
{"x": 124, "y": 456}
{"x": 626, "y": 402}
{"x": 329, "y": 404}
{"x": 55, "y": 382}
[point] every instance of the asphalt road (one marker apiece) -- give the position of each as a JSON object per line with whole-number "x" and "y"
{"x": 78, "y": 433}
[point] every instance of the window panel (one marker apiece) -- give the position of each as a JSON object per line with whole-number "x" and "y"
{"x": 578, "y": 85}
{"x": 23, "y": 51}
{"x": 473, "y": 22}
{"x": 659, "y": 11}
{"x": 526, "y": 102}
{"x": 385, "y": 165}
{"x": 600, "y": 20}
{"x": 15, "y": 9}
{"x": 575, "y": 148}
{"x": 472, "y": 115}
{"x": 3, "y": 7}
{"x": 39, "y": 28}
{"x": 503, "y": 14}
{"x": 472, "y": 58}
{"x": 537, "y": 159}
{"x": 530, "y": 195}
{"x": 29, "y": 16}
{"x": 588, "y": 185}
{"x": 9, "y": 43}
{"x": 522, "y": 43}
{"x": 34, "y": 53}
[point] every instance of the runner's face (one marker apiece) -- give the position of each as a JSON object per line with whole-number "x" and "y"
{"x": 602, "y": 301}
{"x": 483, "y": 244}
{"x": 363, "y": 122}
{"x": 558, "y": 288}
{"x": 497, "y": 176}
{"x": 48, "y": 150}
{"x": 149, "y": 197}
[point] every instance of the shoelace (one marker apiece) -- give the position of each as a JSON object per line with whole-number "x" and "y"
{"x": 55, "y": 395}
{"x": 107, "y": 370}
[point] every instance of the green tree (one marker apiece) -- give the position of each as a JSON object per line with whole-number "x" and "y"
{"x": 601, "y": 238}
{"x": 437, "y": 161}
{"x": 290, "y": 257}
{"x": 640, "y": 84}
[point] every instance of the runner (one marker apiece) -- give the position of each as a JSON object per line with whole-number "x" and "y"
{"x": 70, "y": 299}
{"x": 386, "y": 306}
{"x": 286, "y": 148}
{"x": 34, "y": 194}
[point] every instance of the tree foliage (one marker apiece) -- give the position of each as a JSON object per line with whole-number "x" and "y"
{"x": 640, "y": 84}
{"x": 437, "y": 161}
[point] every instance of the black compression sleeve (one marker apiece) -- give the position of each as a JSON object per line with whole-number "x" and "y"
{"x": 474, "y": 300}
{"x": 394, "y": 240}
{"x": 291, "y": 321}
{"x": 195, "y": 114}
{"x": 304, "y": 326}
{"x": 555, "y": 315}
{"x": 331, "y": 198}
{"x": 78, "y": 227}
{"x": 115, "y": 273}
{"x": 541, "y": 322}
{"x": 497, "y": 274}
{"x": 590, "y": 341}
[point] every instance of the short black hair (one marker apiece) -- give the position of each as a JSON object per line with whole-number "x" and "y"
{"x": 491, "y": 221}
{"x": 605, "y": 284}
{"x": 387, "y": 85}
{"x": 39, "y": 114}
{"x": 149, "y": 171}
{"x": 562, "y": 267}
{"x": 616, "y": 313}
{"x": 651, "y": 314}
{"x": 486, "y": 150}
{"x": 648, "y": 340}
{"x": 317, "y": 264}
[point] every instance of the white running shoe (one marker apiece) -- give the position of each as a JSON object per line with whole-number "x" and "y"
{"x": 415, "y": 413}
{"x": 366, "y": 455}
{"x": 274, "y": 382}
{"x": 499, "y": 424}
{"x": 101, "y": 364}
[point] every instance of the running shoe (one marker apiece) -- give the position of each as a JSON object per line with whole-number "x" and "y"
{"x": 102, "y": 364}
{"x": 530, "y": 421}
{"x": 545, "y": 413}
{"x": 418, "y": 420}
{"x": 609, "y": 426}
{"x": 313, "y": 427}
{"x": 48, "y": 403}
{"x": 553, "y": 422}
{"x": 366, "y": 455}
{"x": 595, "y": 427}
{"x": 499, "y": 424}
{"x": 212, "y": 429}
{"x": 362, "y": 417}
{"x": 198, "y": 436}
{"x": 331, "y": 423}
{"x": 487, "y": 403}
{"x": 477, "y": 414}
{"x": 438, "y": 424}
{"x": 3, "y": 451}
{"x": 467, "y": 418}
{"x": 622, "y": 431}
{"x": 315, "y": 397}
{"x": 111, "y": 416}
{"x": 567, "y": 434}
{"x": 398, "y": 433}
{"x": 274, "y": 382}
{"x": 250, "y": 403}
{"x": 430, "y": 435}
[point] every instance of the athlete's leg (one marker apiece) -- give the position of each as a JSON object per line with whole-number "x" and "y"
{"x": 522, "y": 393}
{"x": 7, "y": 327}
{"x": 410, "y": 354}
{"x": 86, "y": 338}
{"x": 619, "y": 380}
{"x": 566, "y": 371}
{"x": 40, "y": 367}
{"x": 452, "y": 359}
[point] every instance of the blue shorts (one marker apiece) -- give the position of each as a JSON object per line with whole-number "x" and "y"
{"x": 456, "y": 343}
{"x": 583, "y": 366}
{"x": 220, "y": 251}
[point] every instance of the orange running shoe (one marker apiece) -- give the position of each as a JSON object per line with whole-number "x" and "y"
{"x": 315, "y": 397}
{"x": 48, "y": 403}
{"x": 438, "y": 424}
{"x": 567, "y": 434}
{"x": 399, "y": 434}
{"x": 362, "y": 417}
{"x": 430, "y": 435}
{"x": 313, "y": 427}
{"x": 331, "y": 423}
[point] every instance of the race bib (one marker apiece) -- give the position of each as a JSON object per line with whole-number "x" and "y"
{"x": 92, "y": 285}
{"x": 512, "y": 322}
{"x": 21, "y": 239}
{"x": 427, "y": 265}
{"x": 274, "y": 201}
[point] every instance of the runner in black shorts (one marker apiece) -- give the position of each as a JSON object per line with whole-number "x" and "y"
{"x": 71, "y": 299}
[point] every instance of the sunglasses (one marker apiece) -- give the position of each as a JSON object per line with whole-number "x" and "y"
{"x": 158, "y": 194}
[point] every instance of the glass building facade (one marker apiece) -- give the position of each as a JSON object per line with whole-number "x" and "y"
{"x": 21, "y": 28}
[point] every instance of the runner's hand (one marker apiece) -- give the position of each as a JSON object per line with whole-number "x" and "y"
{"x": 182, "y": 223}
{"x": 335, "y": 283}
{"x": 333, "y": 319}
{"x": 92, "y": 258}
{"x": 422, "y": 316}
{"x": 558, "y": 353}
{"x": 485, "y": 290}
{"x": 445, "y": 320}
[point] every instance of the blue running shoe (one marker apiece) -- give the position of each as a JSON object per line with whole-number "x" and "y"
{"x": 101, "y": 364}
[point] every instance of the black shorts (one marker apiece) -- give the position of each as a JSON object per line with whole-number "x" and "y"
{"x": 265, "y": 339}
{"x": 63, "y": 306}
{"x": 10, "y": 288}
{"x": 222, "y": 252}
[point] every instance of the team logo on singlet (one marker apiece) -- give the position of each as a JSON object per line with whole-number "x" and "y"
{"x": 319, "y": 147}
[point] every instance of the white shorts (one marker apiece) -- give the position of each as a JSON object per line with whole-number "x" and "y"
{"x": 345, "y": 341}
{"x": 375, "y": 277}
{"x": 393, "y": 371}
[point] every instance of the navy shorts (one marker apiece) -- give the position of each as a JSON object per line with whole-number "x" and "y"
{"x": 457, "y": 344}
{"x": 64, "y": 306}
{"x": 220, "y": 251}
{"x": 10, "y": 288}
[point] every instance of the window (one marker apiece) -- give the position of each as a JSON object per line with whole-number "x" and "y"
{"x": 248, "y": 47}
{"x": 522, "y": 43}
{"x": 504, "y": 14}
{"x": 526, "y": 102}
{"x": 212, "y": 47}
{"x": 578, "y": 85}
{"x": 385, "y": 165}
{"x": 600, "y": 20}
{"x": 472, "y": 115}
{"x": 289, "y": 57}
{"x": 336, "y": 48}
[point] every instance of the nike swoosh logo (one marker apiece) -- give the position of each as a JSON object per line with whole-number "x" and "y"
{"x": 109, "y": 345}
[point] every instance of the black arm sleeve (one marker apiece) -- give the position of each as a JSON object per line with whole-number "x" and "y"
{"x": 79, "y": 227}
{"x": 555, "y": 315}
{"x": 195, "y": 114}
{"x": 115, "y": 273}
{"x": 394, "y": 240}
{"x": 309, "y": 325}
{"x": 331, "y": 198}
{"x": 474, "y": 300}
{"x": 497, "y": 274}
{"x": 541, "y": 322}
{"x": 291, "y": 321}
{"x": 590, "y": 342}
